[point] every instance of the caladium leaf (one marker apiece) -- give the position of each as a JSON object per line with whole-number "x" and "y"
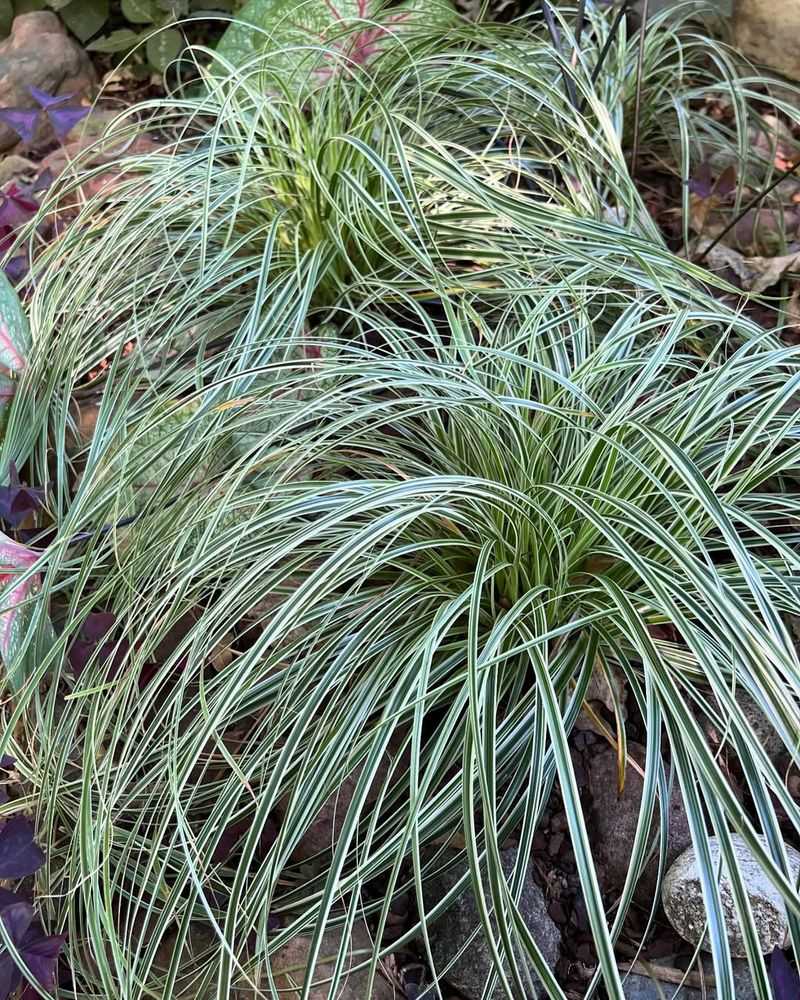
{"x": 294, "y": 32}
{"x": 20, "y": 855}
{"x": 14, "y": 343}
{"x": 14, "y": 560}
{"x": 16, "y": 610}
{"x": 14, "y": 331}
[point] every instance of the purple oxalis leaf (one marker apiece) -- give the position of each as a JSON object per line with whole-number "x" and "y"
{"x": 17, "y": 918}
{"x": 96, "y": 641}
{"x": 20, "y": 855}
{"x": 41, "y": 953}
{"x": 43, "y": 181}
{"x": 47, "y": 101}
{"x": 16, "y": 208}
{"x": 9, "y": 898}
{"x": 64, "y": 120}
{"x": 701, "y": 183}
{"x": 23, "y": 121}
{"x": 785, "y": 980}
{"x": 18, "y": 500}
{"x": 97, "y": 625}
{"x": 16, "y": 269}
{"x": 726, "y": 182}
{"x": 38, "y": 951}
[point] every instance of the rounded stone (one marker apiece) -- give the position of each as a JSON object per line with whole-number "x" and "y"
{"x": 615, "y": 818}
{"x": 682, "y": 896}
{"x": 465, "y": 960}
{"x": 40, "y": 53}
{"x": 289, "y": 967}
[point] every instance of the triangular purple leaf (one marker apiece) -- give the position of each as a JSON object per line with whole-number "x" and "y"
{"x": 17, "y": 918}
{"x": 46, "y": 100}
{"x": 784, "y": 978}
{"x": 41, "y": 956}
{"x": 16, "y": 269}
{"x": 43, "y": 181}
{"x": 16, "y": 208}
{"x": 726, "y": 182}
{"x": 9, "y": 898}
{"x": 18, "y": 500}
{"x": 20, "y": 855}
{"x": 7, "y": 763}
{"x": 64, "y": 120}
{"x": 38, "y": 952}
{"x": 79, "y": 654}
{"x": 701, "y": 183}
{"x": 22, "y": 120}
{"x": 98, "y": 625}
{"x": 10, "y": 976}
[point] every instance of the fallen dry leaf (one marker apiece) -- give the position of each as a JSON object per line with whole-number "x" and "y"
{"x": 756, "y": 274}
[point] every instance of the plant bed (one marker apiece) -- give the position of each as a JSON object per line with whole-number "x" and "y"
{"x": 403, "y": 516}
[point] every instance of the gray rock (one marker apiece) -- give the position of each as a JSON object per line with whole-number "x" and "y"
{"x": 452, "y": 931}
{"x": 767, "y": 32}
{"x": 644, "y": 988}
{"x": 682, "y": 897}
{"x": 288, "y": 967}
{"x": 766, "y": 734}
{"x": 614, "y": 820}
{"x": 724, "y": 7}
{"x": 39, "y": 53}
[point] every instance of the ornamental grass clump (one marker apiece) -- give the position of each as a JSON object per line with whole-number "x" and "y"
{"x": 418, "y": 564}
{"x": 409, "y": 425}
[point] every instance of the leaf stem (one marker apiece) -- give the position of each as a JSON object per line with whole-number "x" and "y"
{"x": 610, "y": 38}
{"x": 552, "y": 28}
{"x": 639, "y": 82}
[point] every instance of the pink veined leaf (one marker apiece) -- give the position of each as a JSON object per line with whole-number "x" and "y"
{"x": 15, "y": 559}
{"x": 8, "y": 350}
{"x": 289, "y": 25}
{"x": 335, "y": 12}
